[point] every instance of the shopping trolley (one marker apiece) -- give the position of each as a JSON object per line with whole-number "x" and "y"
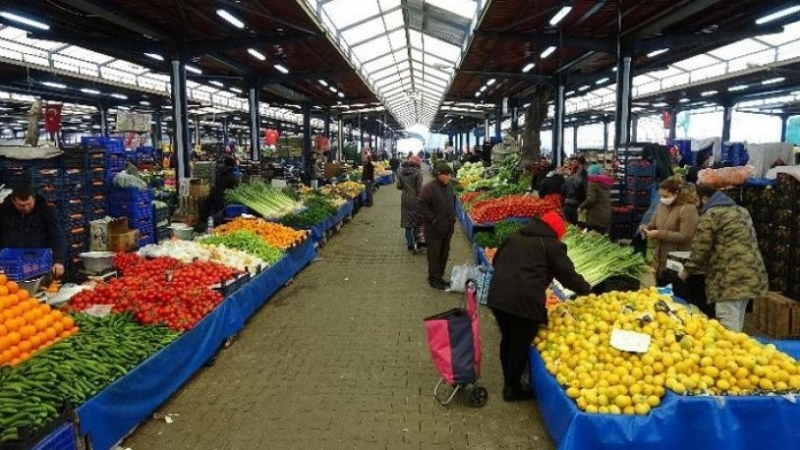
{"x": 455, "y": 344}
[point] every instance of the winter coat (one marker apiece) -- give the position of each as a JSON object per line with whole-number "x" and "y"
{"x": 39, "y": 229}
{"x": 676, "y": 225}
{"x": 524, "y": 267}
{"x": 725, "y": 248}
{"x": 368, "y": 172}
{"x": 598, "y": 201}
{"x": 436, "y": 206}
{"x": 574, "y": 188}
{"x": 409, "y": 180}
{"x": 552, "y": 184}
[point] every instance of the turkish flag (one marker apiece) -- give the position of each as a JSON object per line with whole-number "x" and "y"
{"x": 666, "y": 118}
{"x": 52, "y": 118}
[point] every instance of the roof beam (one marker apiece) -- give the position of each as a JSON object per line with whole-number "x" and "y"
{"x": 689, "y": 40}
{"x": 128, "y": 23}
{"x": 606, "y": 45}
{"x": 128, "y": 46}
{"x": 680, "y": 11}
{"x": 222, "y": 45}
{"x": 525, "y": 76}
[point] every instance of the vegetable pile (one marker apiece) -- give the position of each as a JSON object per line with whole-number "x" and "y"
{"x": 318, "y": 208}
{"x": 348, "y": 189}
{"x": 262, "y": 198}
{"x": 189, "y": 251}
{"x": 248, "y": 242}
{"x": 495, "y": 210}
{"x": 32, "y": 393}
{"x": 597, "y": 259}
{"x": 272, "y": 233}
{"x": 502, "y": 230}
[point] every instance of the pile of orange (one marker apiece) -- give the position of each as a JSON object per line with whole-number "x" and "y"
{"x": 27, "y": 326}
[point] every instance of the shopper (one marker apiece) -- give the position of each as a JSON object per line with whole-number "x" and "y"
{"x": 394, "y": 165}
{"x": 410, "y": 182}
{"x": 226, "y": 178}
{"x": 597, "y": 205}
{"x": 368, "y": 178}
{"x": 524, "y": 267}
{"x": 26, "y": 221}
{"x": 551, "y": 186}
{"x": 725, "y": 248}
{"x": 436, "y": 206}
{"x": 703, "y": 162}
{"x": 574, "y": 191}
{"x": 671, "y": 227}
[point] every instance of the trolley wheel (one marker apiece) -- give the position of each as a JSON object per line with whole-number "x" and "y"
{"x": 478, "y": 397}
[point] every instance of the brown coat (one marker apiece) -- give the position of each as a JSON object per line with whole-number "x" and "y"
{"x": 436, "y": 206}
{"x": 676, "y": 225}
{"x": 598, "y": 201}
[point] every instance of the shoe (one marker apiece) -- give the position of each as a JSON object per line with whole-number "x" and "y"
{"x": 437, "y": 285}
{"x": 411, "y": 248}
{"x": 517, "y": 395}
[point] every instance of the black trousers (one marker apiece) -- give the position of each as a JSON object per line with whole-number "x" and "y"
{"x": 571, "y": 213}
{"x": 438, "y": 252}
{"x": 516, "y": 336}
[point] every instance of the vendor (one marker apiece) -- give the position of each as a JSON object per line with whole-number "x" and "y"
{"x": 226, "y": 178}
{"x": 26, "y": 221}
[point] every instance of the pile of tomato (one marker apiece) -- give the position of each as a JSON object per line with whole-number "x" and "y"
{"x": 497, "y": 209}
{"x": 159, "y": 290}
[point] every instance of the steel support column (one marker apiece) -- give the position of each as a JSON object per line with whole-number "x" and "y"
{"x": 784, "y": 126}
{"x": 605, "y": 134}
{"x": 727, "y": 113}
{"x": 157, "y": 117}
{"x": 498, "y": 121}
{"x": 180, "y": 119}
{"x": 487, "y": 129}
{"x": 575, "y": 139}
{"x": 622, "y": 127}
{"x": 558, "y": 125}
{"x": 254, "y": 98}
{"x": 307, "y": 149}
{"x": 514, "y": 119}
{"x": 197, "y": 134}
{"x": 634, "y": 127}
{"x": 327, "y": 126}
{"x": 673, "y": 123}
{"x": 340, "y": 139}
{"x": 225, "y": 131}
{"x": 361, "y": 138}
{"x": 103, "y": 119}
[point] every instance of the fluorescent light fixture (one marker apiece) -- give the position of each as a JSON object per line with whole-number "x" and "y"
{"x": 483, "y": 88}
{"x": 777, "y": 15}
{"x": 655, "y": 53}
{"x": 528, "y": 67}
{"x": 90, "y": 91}
{"x": 491, "y": 82}
{"x": 614, "y": 69}
{"x": 708, "y": 93}
{"x": 120, "y": 96}
{"x": 602, "y": 80}
{"x": 323, "y": 82}
{"x": 569, "y": 93}
{"x": 280, "y": 68}
{"x": 231, "y": 19}
{"x": 684, "y": 100}
{"x": 333, "y": 89}
{"x": 193, "y": 69}
{"x": 740, "y": 87}
{"x": 547, "y": 52}
{"x": 660, "y": 104}
{"x": 144, "y": 103}
{"x": 584, "y": 87}
{"x": 478, "y": 94}
{"x": 340, "y": 94}
{"x": 24, "y": 20}
{"x": 774, "y": 80}
{"x": 256, "y": 54}
{"x": 560, "y": 15}
{"x": 216, "y": 83}
{"x": 54, "y": 85}
{"x": 154, "y": 56}
{"x": 237, "y": 90}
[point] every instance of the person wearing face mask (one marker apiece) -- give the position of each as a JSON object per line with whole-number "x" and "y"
{"x": 671, "y": 227}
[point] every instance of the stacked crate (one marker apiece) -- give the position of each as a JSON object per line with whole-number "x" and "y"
{"x": 635, "y": 180}
{"x": 161, "y": 215}
{"x": 137, "y": 206}
{"x": 86, "y": 166}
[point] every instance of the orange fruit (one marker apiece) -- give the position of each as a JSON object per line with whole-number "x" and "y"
{"x": 12, "y": 286}
{"x": 65, "y": 334}
{"x": 5, "y": 342}
{"x": 3, "y": 330}
{"x": 68, "y": 322}
{"x": 29, "y": 317}
{"x": 23, "y": 294}
{"x": 45, "y": 308}
{"x": 40, "y": 324}
{"x": 36, "y": 341}
{"x": 3, "y": 290}
{"x": 24, "y": 356}
{"x": 6, "y": 355}
{"x": 14, "y": 338}
{"x": 48, "y": 319}
{"x": 14, "y": 361}
{"x": 14, "y": 352}
{"x": 25, "y": 346}
{"x": 24, "y": 304}
{"x": 56, "y": 314}
{"x": 27, "y": 331}
{"x": 58, "y": 326}
{"x": 8, "y": 314}
{"x": 17, "y": 310}
{"x": 12, "y": 325}
{"x": 42, "y": 337}
{"x": 3, "y": 279}
{"x": 51, "y": 333}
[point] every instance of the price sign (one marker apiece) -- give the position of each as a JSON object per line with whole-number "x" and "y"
{"x": 630, "y": 341}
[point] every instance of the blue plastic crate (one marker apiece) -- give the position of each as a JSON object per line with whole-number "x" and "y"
{"x": 160, "y": 214}
{"x": 115, "y": 161}
{"x": 641, "y": 171}
{"x": 96, "y": 174}
{"x": 639, "y": 183}
{"x": 141, "y": 224}
{"x": 235, "y": 210}
{"x": 638, "y": 200}
{"x": 76, "y": 220}
{"x": 133, "y": 212}
{"x": 74, "y": 176}
{"x": 20, "y": 264}
{"x": 163, "y": 233}
{"x": 62, "y": 438}
{"x": 96, "y": 214}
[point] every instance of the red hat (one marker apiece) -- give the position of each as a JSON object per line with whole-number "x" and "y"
{"x": 556, "y": 223}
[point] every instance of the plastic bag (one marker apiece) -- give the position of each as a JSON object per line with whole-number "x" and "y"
{"x": 483, "y": 279}
{"x": 726, "y": 176}
{"x": 460, "y": 276}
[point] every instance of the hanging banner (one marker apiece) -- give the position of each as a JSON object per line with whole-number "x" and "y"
{"x": 271, "y": 136}
{"x": 129, "y": 121}
{"x": 52, "y": 118}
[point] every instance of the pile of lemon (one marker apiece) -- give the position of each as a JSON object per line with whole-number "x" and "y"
{"x": 688, "y": 354}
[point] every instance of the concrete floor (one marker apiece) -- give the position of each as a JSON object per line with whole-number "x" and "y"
{"x": 339, "y": 360}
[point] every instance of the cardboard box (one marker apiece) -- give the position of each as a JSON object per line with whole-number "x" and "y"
{"x": 332, "y": 169}
{"x": 123, "y": 242}
{"x": 777, "y": 316}
{"x": 199, "y": 188}
{"x": 100, "y": 231}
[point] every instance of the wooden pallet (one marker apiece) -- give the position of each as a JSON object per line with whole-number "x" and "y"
{"x": 777, "y": 316}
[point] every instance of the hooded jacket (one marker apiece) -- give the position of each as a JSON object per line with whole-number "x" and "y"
{"x": 409, "y": 181}
{"x": 598, "y": 201}
{"x": 524, "y": 267}
{"x": 725, "y": 248}
{"x": 39, "y": 229}
{"x": 676, "y": 225}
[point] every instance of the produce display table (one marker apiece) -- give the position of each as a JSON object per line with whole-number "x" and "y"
{"x": 470, "y": 227}
{"x": 318, "y": 231}
{"x": 383, "y": 180}
{"x": 679, "y": 422}
{"x": 118, "y": 409}
{"x": 480, "y": 256}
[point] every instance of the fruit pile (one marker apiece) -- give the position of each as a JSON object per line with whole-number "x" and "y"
{"x": 26, "y": 326}
{"x": 272, "y": 233}
{"x": 688, "y": 354}
{"x": 32, "y": 393}
{"x": 496, "y": 209}
{"x": 198, "y": 273}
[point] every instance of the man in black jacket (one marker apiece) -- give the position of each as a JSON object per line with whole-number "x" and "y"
{"x": 574, "y": 191}
{"x": 436, "y": 206}
{"x": 27, "y": 222}
{"x": 368, "y": 178}
{"x": 524, "y": 267}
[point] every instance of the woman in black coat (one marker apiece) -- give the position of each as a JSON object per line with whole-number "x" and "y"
{"x": 524, "y": 267}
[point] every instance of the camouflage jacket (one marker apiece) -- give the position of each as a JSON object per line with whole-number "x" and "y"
{"x": 725, "y": 248}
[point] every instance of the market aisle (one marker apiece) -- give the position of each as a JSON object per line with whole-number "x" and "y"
{"x": 339, "y": 360}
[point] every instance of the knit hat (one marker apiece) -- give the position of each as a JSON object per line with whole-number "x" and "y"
{"x": 415, "y": 160}
{"x": 443, "y": 169}
{"x": 555, "y": 222}
{"x": 594, "y": 169}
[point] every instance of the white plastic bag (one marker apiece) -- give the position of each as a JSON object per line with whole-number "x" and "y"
{"x": 460, "y": 276}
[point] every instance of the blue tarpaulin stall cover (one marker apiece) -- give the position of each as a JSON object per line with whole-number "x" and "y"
{"x": 114, "y": 412}
{"x": 686, "y": 423}
{"x": 383, "y": 180}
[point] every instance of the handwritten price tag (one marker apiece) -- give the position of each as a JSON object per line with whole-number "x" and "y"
{"x": 630, "y": 341}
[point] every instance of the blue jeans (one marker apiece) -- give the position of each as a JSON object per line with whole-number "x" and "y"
{"x": 411, "y": 237}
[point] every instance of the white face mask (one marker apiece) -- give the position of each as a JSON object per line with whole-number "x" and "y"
{"x": 667, "y": 201}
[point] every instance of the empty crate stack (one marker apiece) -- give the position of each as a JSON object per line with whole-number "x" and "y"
{"x": 137, "y": 206}
{"x": 87, "y": 167}
{"x": 161, "y": 215}
{"x": 640, "y": 179}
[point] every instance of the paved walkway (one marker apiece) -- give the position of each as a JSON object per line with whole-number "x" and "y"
{"x": 339, "y": 360}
